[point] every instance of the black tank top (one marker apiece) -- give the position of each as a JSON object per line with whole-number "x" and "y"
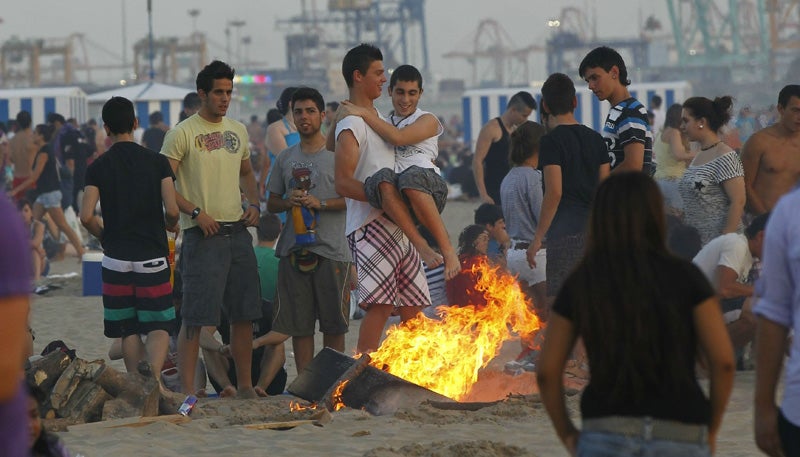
{"x": 49, "y": 180}
{"x": 495, "y": 165}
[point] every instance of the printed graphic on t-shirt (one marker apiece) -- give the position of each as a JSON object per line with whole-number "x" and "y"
{"x": 227, "y": 140}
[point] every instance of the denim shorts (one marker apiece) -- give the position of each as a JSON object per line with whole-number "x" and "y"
{"x": 602, "y": 444}
{"x": 50, "y": 199}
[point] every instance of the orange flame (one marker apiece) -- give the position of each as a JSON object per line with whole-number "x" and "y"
{"x": 336, "y": 397}
{"x": 445, "y": 356}
{"x": 296, "y": 406}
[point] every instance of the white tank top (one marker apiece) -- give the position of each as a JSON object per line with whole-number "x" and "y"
{"x": 421, "y": 154}
{"x": 374, "y": 155}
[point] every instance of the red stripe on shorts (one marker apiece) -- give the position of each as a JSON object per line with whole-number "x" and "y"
{"x": 154, "y": 291}
{"x": 118, "y": 290}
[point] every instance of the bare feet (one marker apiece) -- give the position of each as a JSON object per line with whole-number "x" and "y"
{"x": 259, "y": 391}
{"x": 452, "y": 266}
{"x": 431, "y": 258}
{"x": 229, "y": 391}
{"x": 246, "y": 393}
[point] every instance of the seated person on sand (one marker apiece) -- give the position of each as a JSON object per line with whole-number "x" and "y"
{"x": 727, "y": 261}
{"x": 490, "y": 216}
{"x": 41, "y": 266}
{"x": 267, "y": 372}
{"x": 473, "y": 243}
{"x": 414, "y": 133}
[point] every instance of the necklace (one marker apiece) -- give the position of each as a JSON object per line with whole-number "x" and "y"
{"x": 710, "y": 147}
{"x": 392, "y": 116}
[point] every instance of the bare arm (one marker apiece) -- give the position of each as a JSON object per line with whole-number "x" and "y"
{"x": 171, "y": 211}
{"x": 485, "y": 139}
{"x": 770, "y": 347}
{"x": 206, "y": 223}
{"x": 715, "y": 344}
{"x": 558, "y": 343}
{"x": 604, "y": 172}
{"x": 423, "y": 128}
{"x": 247, "y": 182}
{"x": 276, "y": 143}
{"x": 93, "y": 223}
{"x": 13, "y": 330}
{"x": 727, "y": 284}
{"x": 734, "y": 187}
{"x": 347, "y": 154}
{"x": 752, "y": 152}
{"x": 634, "y": 158}
{"x": 676, "y": 148}
{"x": 552, "y": 198}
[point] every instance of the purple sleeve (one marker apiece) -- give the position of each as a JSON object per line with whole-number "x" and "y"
{"x": 15, "y": 262}
{"x": 775, "y": 288}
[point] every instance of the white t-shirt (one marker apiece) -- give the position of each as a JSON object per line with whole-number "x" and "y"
{"x": 728, "y": 250}
{"x": 421, "y": 154}
{"x": 374, "y": 154}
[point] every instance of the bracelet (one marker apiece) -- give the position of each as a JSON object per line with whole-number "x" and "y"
{"x": 257, "y": 207}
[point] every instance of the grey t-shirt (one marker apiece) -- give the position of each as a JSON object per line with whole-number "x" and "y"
{"x": 521, "y": 196}
{"x": 318, "y": 167}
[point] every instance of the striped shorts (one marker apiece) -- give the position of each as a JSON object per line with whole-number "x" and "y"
{"x": 137, "y": 297}
{"x": 389, "y": 268}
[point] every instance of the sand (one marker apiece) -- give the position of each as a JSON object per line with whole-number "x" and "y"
{"x": 517, "y": 426}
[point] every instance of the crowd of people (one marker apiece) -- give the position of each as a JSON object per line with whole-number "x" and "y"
{"x": 598, "y": 228}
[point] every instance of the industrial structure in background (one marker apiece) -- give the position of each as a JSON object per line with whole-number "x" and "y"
{"x": 716, "y": 41}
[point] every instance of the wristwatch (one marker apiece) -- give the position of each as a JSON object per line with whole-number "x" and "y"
{"x": 196, "y": 212}
{"x": 323, "y": 204}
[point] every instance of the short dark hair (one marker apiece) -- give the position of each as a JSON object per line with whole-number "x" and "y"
{"x": 467, "y": 237}
{"x": 273, "y": 115}
{"x": 52, "y": 118}
{"x": 788, "y": 91}
{"x": 22, "y": 202}
{"x": 359, "y": 58}
{"x": 408, "y": 73}
{"x": 118, "y": 115}
{"x": 284, "y": 100}
{"x": 656, "y": 100}
{"x": 309, "y": 93}
{"x": 757, "y": 225}
{"x": 488, "y": 213}
{"x": 215, "y": 70}
{"x": 46, "y": 130}
{"x": 605, "y": 58}
{"x": 520, "y": 100}
{"x": 192, "y": 100}
{"x": 269, "y": 227}
{"x": 525, "y": 141}
{"x": 333, "y": 105}
{"x": 155, "y": 117}
{"x": 24, "y": 119}
{"x": 558, "y": 92}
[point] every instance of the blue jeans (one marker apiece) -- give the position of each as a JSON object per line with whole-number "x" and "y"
{"x": 601, "y": 444}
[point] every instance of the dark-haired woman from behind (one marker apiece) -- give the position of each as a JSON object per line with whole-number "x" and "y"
{"x": 643, "y": 336}
{"x": 712, "y": 188}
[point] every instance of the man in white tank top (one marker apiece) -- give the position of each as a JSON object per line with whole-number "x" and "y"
{"x": 390, "y": 273}
{"x": 415, "y": 177}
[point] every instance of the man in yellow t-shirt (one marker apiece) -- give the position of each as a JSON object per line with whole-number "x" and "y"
{"x": 210, "y": 156}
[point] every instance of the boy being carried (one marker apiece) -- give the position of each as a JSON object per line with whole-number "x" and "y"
{"x": 414, "y": 134}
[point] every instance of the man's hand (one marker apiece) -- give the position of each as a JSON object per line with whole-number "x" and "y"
{"x": 250, "y": 216}
{"x": 311, "y": 202}
{"x": 207, "y": 224}
{"x": 531, "y": 253}
{"x": 766, "y": 430}
{"x": 487, "y": 199}
{"x": 348, "y": 109}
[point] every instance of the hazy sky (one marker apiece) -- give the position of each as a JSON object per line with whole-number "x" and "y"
{"x": 451, "y": 23}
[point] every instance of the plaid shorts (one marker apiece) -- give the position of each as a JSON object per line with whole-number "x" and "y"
{"x": 389, "y": 268}
{"x": 415, "y": 178}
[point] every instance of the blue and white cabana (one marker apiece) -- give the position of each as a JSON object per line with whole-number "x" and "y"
{"x": 41, "y": 101}
{"x": 147, "y": 98}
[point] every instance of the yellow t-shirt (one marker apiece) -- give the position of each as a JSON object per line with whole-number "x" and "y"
{"x": 210, "y": 156}
{"x": 668, "y": 167}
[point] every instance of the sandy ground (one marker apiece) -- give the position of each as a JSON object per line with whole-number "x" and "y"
{"x": 516, "y": 427}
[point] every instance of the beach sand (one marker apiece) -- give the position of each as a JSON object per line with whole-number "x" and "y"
{"x": 517, "y": 426}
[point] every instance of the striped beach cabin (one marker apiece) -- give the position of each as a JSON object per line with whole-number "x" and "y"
{"x": 41, "y": 101}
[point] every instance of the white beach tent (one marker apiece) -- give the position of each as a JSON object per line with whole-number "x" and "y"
{"x": 147, "y": 98}
{"x": 41, "y": 101}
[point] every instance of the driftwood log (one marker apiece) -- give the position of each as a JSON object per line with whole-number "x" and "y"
{"x": 86, "y": 391}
